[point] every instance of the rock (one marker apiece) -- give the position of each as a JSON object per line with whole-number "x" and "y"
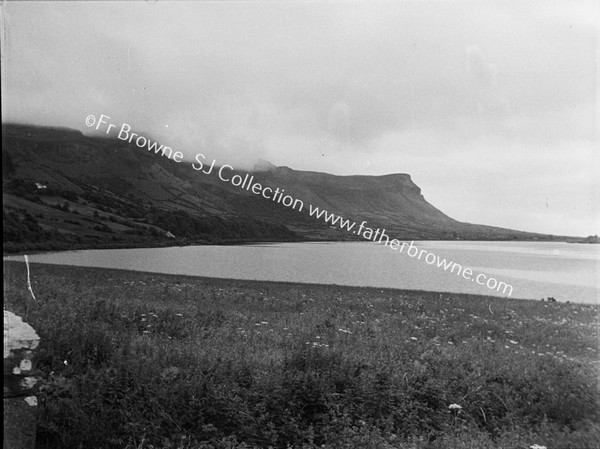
{"x": 20, "y": 404}
{"x": 17, "y": 334}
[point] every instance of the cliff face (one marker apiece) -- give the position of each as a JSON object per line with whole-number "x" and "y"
{"x": 106, "y": 188}
{"x": 391, "y": 201}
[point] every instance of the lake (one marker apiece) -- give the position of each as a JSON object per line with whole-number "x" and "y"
{"x": 567, "y": 272}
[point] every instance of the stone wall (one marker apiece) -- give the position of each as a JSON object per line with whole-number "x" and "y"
{"x": 20, "y": 403}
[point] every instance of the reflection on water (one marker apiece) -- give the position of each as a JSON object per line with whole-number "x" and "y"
{"x": 568, "y": 272}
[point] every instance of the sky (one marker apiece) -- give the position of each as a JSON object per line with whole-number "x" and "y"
{"x": 491, "y": 106}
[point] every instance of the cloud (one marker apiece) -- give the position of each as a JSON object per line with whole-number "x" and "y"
{"x": 429, "y": 88}
{"x": 493, "y": 108}
{"x": 482, "y": 71}
{"x": 338, "y": 121}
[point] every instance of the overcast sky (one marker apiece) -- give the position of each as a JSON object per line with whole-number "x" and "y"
{"x": 492, "y": 107}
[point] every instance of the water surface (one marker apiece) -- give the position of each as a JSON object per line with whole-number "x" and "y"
{"x": 567, "y": 272}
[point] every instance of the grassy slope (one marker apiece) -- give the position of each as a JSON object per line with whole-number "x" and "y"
{"x": 122, "y": 181}
{"x": 145, "y": 360}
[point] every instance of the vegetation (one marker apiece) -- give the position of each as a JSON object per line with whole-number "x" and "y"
{"x": 46, "y": 168}
{"x": 137, "y": 360}
{"x": 183, "y": 224}
{"x": 141, "y": 223}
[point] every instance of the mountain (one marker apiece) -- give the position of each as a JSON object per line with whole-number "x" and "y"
{"x": 62, "y": 189}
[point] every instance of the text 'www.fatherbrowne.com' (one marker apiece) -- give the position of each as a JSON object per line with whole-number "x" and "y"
{"x": 226, "y": 173}
{"x": 379, "y": 236}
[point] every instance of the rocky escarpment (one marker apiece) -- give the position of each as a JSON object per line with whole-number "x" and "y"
{"x": 80, "y": 191}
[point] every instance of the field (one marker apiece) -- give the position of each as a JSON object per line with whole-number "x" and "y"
{"x": 138, "y": 360}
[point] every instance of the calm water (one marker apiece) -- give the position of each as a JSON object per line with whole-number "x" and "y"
{"x": 567, "y": 272}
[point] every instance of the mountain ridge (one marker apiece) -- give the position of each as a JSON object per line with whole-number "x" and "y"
{"x": 100, "y": 191}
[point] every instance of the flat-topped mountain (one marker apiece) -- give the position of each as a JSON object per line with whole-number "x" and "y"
{"x": 63, "y": 189}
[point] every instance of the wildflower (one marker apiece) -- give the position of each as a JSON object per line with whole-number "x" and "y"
{"x": 454, "y": 407}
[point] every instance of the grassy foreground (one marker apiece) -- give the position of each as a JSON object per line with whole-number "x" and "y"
{"x": 137, "y": 360}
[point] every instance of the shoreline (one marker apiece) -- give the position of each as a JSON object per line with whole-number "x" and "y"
{"x": 257, "y": 284}
{"x": 221, "y": 357}
{"x": 174, "y": 244}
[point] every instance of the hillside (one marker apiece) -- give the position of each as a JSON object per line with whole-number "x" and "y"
{"x": 63, "y": 190}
